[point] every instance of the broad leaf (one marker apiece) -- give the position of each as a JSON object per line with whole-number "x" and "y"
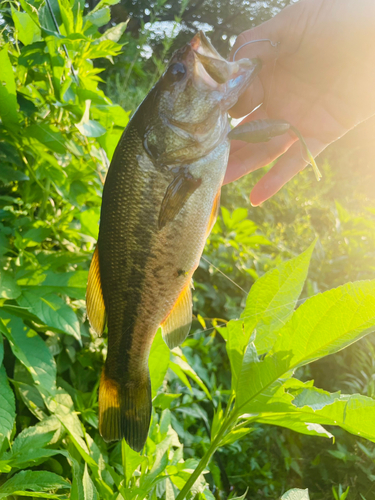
{"x": 158, "y": 362}
{"x": 27, "y": 30}
{"x": 324, "y": 324}
{"x": 273, "y": 297}
{"x": 53, "y": 311}
{"x": 296, "y": 494}
{"x": 8, "y": 99}
{"x": 33, "y": 353}
{"x": 8, "y": 286}
{"x": 7, "y": 407}
{"x": 39, "y": 481}
{"x": 89, "y": 490}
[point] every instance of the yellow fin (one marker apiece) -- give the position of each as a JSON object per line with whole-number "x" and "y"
{"x": 214, "y": 213}
{"x": 176, "y": 327}
{"x": 125, "y": 410}
{"x": 94, "y": 296}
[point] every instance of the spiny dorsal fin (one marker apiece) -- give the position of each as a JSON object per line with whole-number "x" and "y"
{"x": 176, "y": 327}
{"x": 178, "y": 192}
{"x": 214, "y": 213}
{"x": 94, "y": 296}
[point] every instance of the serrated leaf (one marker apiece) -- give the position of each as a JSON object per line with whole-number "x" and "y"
{"x": 30, "y": 349}
{"x": 53, "y": 311}
{"x": 61, "y": 405}
{"x": 39, "y": 481}
{"x": 296, "y": 494}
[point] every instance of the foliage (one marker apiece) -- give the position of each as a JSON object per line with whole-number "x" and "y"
{"x": 57, "y": 132}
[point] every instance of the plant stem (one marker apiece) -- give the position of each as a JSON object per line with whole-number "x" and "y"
{"x": 228, "y": 423}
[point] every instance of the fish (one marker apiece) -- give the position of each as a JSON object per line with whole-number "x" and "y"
{"x": 160, "y": 201}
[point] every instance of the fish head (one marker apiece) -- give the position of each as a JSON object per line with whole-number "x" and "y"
{"x": 192, "y": 98}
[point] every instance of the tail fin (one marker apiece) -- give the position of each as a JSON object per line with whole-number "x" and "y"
{"x": 125, "y": 411}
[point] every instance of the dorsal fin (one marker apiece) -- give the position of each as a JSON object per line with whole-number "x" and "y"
{"x": 94, "y": 296}
{"x": 176, "y": 327}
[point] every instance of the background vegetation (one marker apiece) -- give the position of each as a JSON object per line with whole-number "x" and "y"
{"x": 58, "y": 131}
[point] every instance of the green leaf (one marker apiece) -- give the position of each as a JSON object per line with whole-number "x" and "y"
{"x": 296, "y": 494}
{"x": 27, "y": 30}
{"x": 36, "y": 235}
{"x": 114, "y": 34}
{"x": 62, "y": 406}
{"x": 90, "y": 221}
{"x": 272, "y": 299}
{"x": 28, "y": 448}
{"x": 8, "y": 286}
{"x": 242, "y": 497}
{"x": 7, "y": 407}
{"x": 39, "y": 481}
{"x": 53, "y": 311}
{"x": 188, "y": 370}
{"x": 30, "y": 349}
{"x": 9, "y": 174}
{"x": 104, "y": 3}
{"x": 158, "y": 362}
{"x": 87, "y": 127}
{"x": 132, "y": 460}
{"x": 72, "y": 284}
{"x": 99, "y": 17}
{"x": 48, "y": 135}
{"x": 8, "y": 99}
{"x": 89, "y": 490}
{"x": 324, "y": 324}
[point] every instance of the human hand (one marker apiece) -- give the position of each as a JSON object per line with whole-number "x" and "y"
{"x": 321, "y": 79}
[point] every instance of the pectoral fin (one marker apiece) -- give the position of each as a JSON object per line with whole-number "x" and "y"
{"x": 176, "y": 327}
{"x": 178, "y": 192}
{"x": 94, "y": 296}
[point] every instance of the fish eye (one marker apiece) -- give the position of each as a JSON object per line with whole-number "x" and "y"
{"x": 176, "y": 71}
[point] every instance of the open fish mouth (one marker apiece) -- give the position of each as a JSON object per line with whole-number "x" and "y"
{"x": 213, "y": 70}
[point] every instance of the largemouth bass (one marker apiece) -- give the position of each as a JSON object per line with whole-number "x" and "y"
{"x": 160, "y": 201}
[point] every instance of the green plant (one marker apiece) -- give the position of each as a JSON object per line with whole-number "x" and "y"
{"x": 57, "y": 132}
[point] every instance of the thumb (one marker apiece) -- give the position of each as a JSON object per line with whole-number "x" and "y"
{"x": 259, "y": 42}
{"x": 254, "y": 43}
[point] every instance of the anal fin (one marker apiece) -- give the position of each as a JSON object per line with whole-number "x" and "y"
{"x": 94, "y": 296}
{"x": 214, "y": 213}
{"x": 177, "y": 325}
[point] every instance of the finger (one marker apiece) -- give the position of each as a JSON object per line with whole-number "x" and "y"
{"x": 264, "y": 50}
{"x": 284, "y": 170}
